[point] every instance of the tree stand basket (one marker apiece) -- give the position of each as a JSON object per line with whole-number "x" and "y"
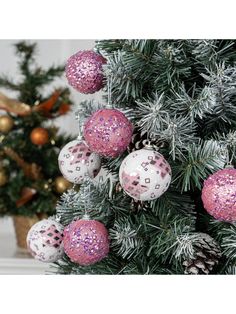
{"x": 22, "y": 225}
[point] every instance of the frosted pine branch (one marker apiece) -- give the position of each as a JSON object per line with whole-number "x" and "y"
{"x": 125, "y": 239}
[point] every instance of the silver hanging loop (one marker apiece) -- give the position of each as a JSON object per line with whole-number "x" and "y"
{"x": 80, "y": 133}
{"x": 147, "y": 144}
{"x": 109, "y": 100}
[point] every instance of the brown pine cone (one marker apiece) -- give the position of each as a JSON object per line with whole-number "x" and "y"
{"x": 206, "y": 255}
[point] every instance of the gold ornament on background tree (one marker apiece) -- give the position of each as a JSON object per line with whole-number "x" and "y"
{"x": 39, "y": 136}
{"x": 61, "y": 185}
{"x": 6, "y": 124}
{"x": 3, "y": 177}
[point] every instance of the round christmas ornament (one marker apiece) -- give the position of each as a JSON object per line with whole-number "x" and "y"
{"x": 44, "y": 240}
{"x": 76, "y": 161}
{"x": 145, "y": 174}
{"x": 6, "y": 124}
{"x": 108, "y": 132}
{"x": 218, "y": 195}
{"x": 84, "y": 71}
{"x": 86, "y": 242}
{"x": 39, "y": 136}
{"x": 62, "y": 185}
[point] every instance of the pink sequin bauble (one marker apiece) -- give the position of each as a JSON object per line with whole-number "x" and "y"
{"x": 86, "y": 242}
{"x": 84, "y": 71}
{"x": 219, "y": 195}
{"x": 108, "y": 132}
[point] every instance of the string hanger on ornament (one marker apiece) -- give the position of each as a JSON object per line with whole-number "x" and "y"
{"x": 55, "y": 217}
{"x": 229, "y": 160}
{"x": 80, "y": 133}
{"x": 153, "y": 145}
{"x": 85, "y": 196}
{"x": 109, "y": 91}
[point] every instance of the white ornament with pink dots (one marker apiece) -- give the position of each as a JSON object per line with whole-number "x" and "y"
{"x": 145, "y": 174}
{"x": 44, "y": 240}
{"x": 76, "y": 161}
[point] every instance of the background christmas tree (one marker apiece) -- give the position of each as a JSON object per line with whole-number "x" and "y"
{"x": 180, "y": 95}
{"x": 31, "y": 182}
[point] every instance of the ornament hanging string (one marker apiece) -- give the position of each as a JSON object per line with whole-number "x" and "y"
{"x": 77, "y": 117}
{"x": 109, "y": 99}
{"x": 229, "y": 159}
{"x": 87, "y": 193}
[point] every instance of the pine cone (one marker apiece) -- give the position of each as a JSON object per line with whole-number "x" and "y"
{"x": 206, "y": 256}
{"x": 139, "y": 205}
{"x": 137, "y": 141}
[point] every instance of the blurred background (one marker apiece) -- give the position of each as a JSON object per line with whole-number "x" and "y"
{"x": 49, "y": 52}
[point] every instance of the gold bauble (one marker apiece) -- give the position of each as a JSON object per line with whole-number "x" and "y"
{"x": 61, "y": 185}
{"x": 6, "y": 124}
{"x": 39, "y": 136}
{"x": 3, "y": 177}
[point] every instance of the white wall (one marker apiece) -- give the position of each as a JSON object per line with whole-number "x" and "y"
{"x": 49, "y": 52}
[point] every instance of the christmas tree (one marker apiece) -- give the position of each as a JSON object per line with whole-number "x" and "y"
{"x": 29, "y": 177}
{"x": 164, "y": 203}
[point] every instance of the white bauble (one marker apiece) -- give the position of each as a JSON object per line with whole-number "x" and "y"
{"x": 145, "y": 174}
{"x": 76, "y": 161}
{"x": 44, "y": 240}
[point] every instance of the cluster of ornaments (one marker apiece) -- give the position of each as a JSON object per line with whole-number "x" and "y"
{"x": 85, "y": 241}
{"x": 144, "y": 174}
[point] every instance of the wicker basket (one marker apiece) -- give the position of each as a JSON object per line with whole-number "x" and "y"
{"x": 22, "y": 225}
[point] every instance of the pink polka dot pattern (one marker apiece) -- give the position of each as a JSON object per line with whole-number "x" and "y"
{"x": 219, "y": 195}
{"x": 84, "y": 71}
{"x": 86, "y": 242}
{"x": 108, "y": 132}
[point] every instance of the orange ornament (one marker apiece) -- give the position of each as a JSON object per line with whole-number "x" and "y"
{"x": 39, "y": 136}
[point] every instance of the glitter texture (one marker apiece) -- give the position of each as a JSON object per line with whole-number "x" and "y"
{"x": 219, "y": 195}
{"x": 76, "y": 160}
{"x": 108, "y": 132}
{"x": 44, "y": 240}
{"x": 86, "y": 242}
{"x": 145, "y": 174}
{"x": 84, "y": 71}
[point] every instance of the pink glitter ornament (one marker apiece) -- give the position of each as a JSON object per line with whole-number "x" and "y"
{"x": 86, "y": 242}
{"x": 219, "y": 195}
{"x": 84, "y": 71}
{"x": 108, "y": 132}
